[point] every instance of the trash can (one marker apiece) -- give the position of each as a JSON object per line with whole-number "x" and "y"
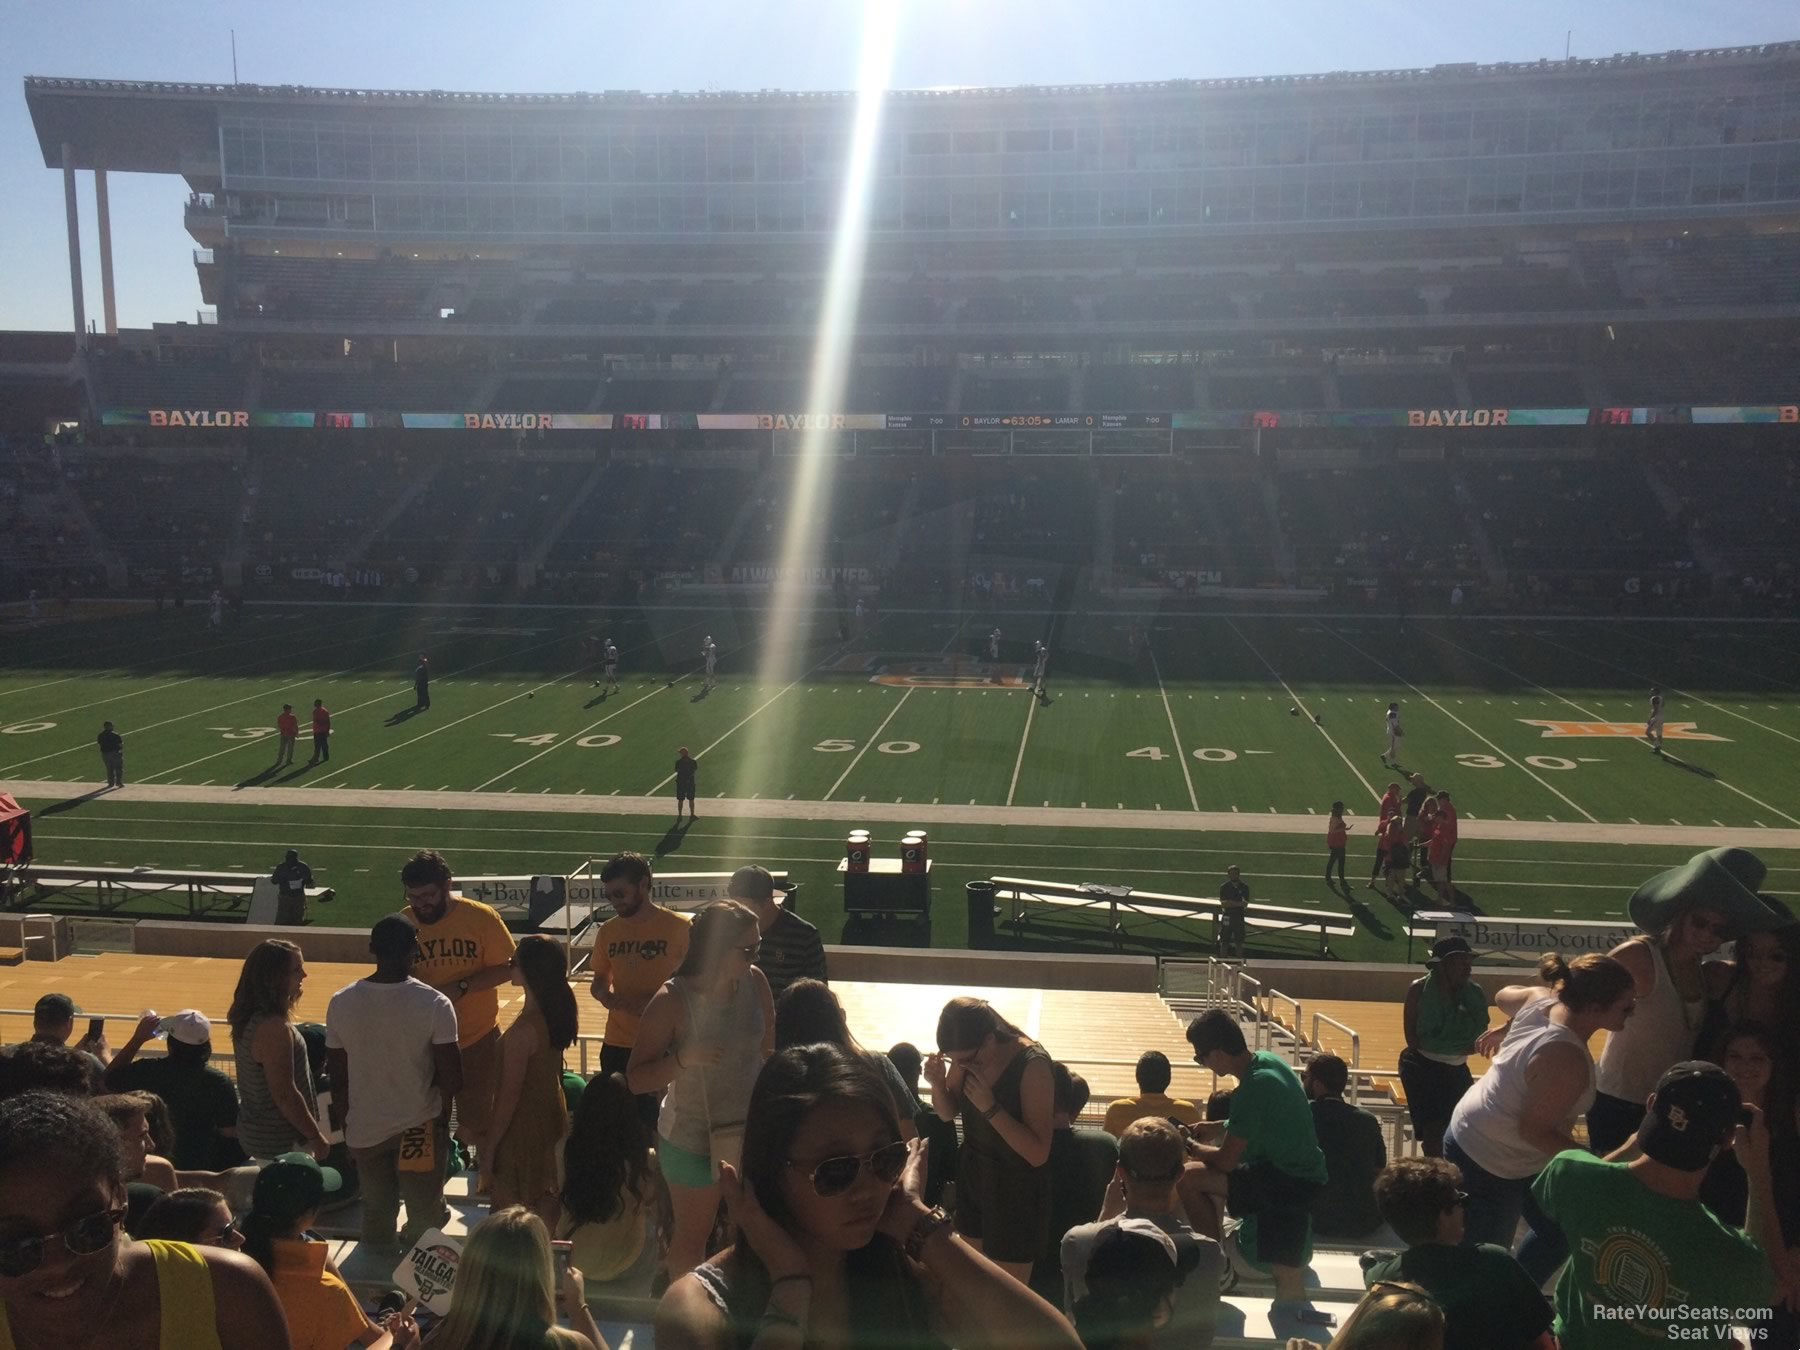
{"x": 981, "y": 913}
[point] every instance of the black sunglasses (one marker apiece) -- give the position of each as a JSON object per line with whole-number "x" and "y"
{"x": 84, "y": 1237}
{"x": 834, "y": 1176}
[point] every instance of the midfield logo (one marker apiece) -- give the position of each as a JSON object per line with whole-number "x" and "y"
{"x": 1672, "y": 731}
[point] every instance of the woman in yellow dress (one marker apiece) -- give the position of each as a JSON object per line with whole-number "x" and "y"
{"x": 531, "y": 1117}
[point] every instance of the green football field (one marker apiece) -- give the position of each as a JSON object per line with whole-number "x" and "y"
{"x": 825, "y": 723}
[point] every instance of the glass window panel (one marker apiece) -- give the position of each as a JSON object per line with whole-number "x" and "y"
{"x": 927, "y": 208}
{"x": 973, "y": 143}
{"x": 1025, "y": 210}
{"x": 974, "y": 210}
{"x": 1281, "y": 142}
{"x": 928, "y": 143}
{"x": 357, "y": 160}
{"x": 1124, "y": 207}
{"x": 1028, "y": 140}
{"x": 1062, "y": 139}
{"x": 1074, "y": 208}
{"x": 398, "y": 212}
{"x": 331, "y": 152}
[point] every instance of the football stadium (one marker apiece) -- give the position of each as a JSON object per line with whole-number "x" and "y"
{"x": 1215, "y": 549}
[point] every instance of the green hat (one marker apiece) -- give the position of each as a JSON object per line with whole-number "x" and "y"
{"x": 292, "y": 1184}
{"x": 1723, "y": 880}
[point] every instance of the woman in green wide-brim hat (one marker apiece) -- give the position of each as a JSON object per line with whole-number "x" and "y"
{"x": 1685, "y": 913}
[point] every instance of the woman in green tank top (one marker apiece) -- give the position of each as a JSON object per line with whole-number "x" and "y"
{"x": 69, "y": 1277}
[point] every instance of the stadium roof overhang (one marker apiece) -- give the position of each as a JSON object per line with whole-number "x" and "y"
{"x": 146, "y": 125}
{"x": 123, "y": 125}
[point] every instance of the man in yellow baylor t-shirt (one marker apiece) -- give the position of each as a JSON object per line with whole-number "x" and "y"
{"x": 465, "y": 953}
{"x": 634, "y": 953}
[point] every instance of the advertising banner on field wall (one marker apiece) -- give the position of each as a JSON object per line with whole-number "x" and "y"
{"x": 1523, "y": 941}
{"x": 240, "y": 419}
{"x": 536, "y": 899}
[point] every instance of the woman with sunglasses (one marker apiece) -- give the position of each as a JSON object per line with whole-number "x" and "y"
{"x": 70, "y": 1279}
{"x": 830, "y": 1248}
{"x": 1684, "y": 914}
{"x": 192, "y": 1214}
{"x": 702, "y": 1040}
{"x": 1000, "y": 1081}
{"x": 1761, "y": 984}
{"x": 530, "y": 1114}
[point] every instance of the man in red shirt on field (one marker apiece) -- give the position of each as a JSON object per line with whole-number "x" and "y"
{"x": 1390, "y": 806}
{"x": 1443, "y": 844}
{"x": 321, "y": 732}
{"x": 289, "y": 728}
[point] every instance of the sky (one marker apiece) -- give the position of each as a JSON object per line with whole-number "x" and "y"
{"x": 538, "y": 46}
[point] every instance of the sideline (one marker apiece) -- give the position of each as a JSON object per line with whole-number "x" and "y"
{"x": 902, "y": 813}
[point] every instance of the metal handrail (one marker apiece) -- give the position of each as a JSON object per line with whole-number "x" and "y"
{"x": 1355, "y": 1050}
{"x": 1271, "y": 995}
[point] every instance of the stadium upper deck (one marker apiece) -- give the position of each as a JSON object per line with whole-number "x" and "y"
{"x": 1057, "y": 180}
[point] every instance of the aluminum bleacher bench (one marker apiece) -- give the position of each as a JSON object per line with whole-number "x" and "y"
{"x": 1173, "y": 911}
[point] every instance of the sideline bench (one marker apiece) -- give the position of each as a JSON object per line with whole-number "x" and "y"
{"x": 1170, "y": 911}
{"x": 109, "y": 890}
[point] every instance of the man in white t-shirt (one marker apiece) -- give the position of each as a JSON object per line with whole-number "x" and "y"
{"x": 391, "y": 1046}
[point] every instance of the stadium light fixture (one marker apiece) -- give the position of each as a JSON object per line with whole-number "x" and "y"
{"x": 807, "y": 527}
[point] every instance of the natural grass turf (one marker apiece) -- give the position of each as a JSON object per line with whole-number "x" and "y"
{"x": 513, "y": 704}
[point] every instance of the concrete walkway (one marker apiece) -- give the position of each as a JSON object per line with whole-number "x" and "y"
{"x": 897, "y": 813}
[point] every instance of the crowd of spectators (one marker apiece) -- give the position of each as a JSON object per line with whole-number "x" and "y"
{"x": 741, "y": 1149}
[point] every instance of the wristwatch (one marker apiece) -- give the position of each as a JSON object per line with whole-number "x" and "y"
{"x": 928, "y": 1226}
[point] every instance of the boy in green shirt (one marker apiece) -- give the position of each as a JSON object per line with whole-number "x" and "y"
{"x": 1648, "y": 1262}
{"x": 1267, "y": 1162}
{"x": 1489, "y": 1302}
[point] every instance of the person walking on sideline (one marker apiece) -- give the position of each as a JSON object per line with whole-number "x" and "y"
{"x": 112, "y": 754}
{"x": 709, "y": 653}
{"x": 1337, "y": 838}
{"x": 390, "y": 1040}
{"x": 1038, "y": 671}
{"x": 1234, "y": 902}
{"x": 321, "y": 732}
{"x": 1390, "y": 758}
{"x": 686, "y": 767}
{"x": 287, "y": 726}
{"x": 1653, "y": 725}
{"x": 422, "y": 684}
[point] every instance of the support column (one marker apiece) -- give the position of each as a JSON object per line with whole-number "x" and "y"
{"x": 74, "y": 230}
{"x": 106, "y": 265}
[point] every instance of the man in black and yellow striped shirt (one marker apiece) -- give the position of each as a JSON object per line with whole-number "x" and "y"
{"x": 791, "y": 947}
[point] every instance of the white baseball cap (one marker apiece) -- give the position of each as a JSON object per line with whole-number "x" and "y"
{"x": 188, "y": 1026}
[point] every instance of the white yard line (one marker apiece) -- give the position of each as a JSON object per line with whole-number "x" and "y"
{"x": 1459, "y": 722}
{"x": 617, "y": 712}
{"x": 1594, "y": 716}
{"x": 950, "y": 814}
{"x": 873, "y": 737}
{"x": 1019, "y": 763}
{"x": 306, "y": 733}
{"x": 1718, "y": 707}
{"x": 1180, "y": 754}
{"x": 203, "y": 712}
{"x": 1367, "y": 785}
{"x": 174, "y": 684}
